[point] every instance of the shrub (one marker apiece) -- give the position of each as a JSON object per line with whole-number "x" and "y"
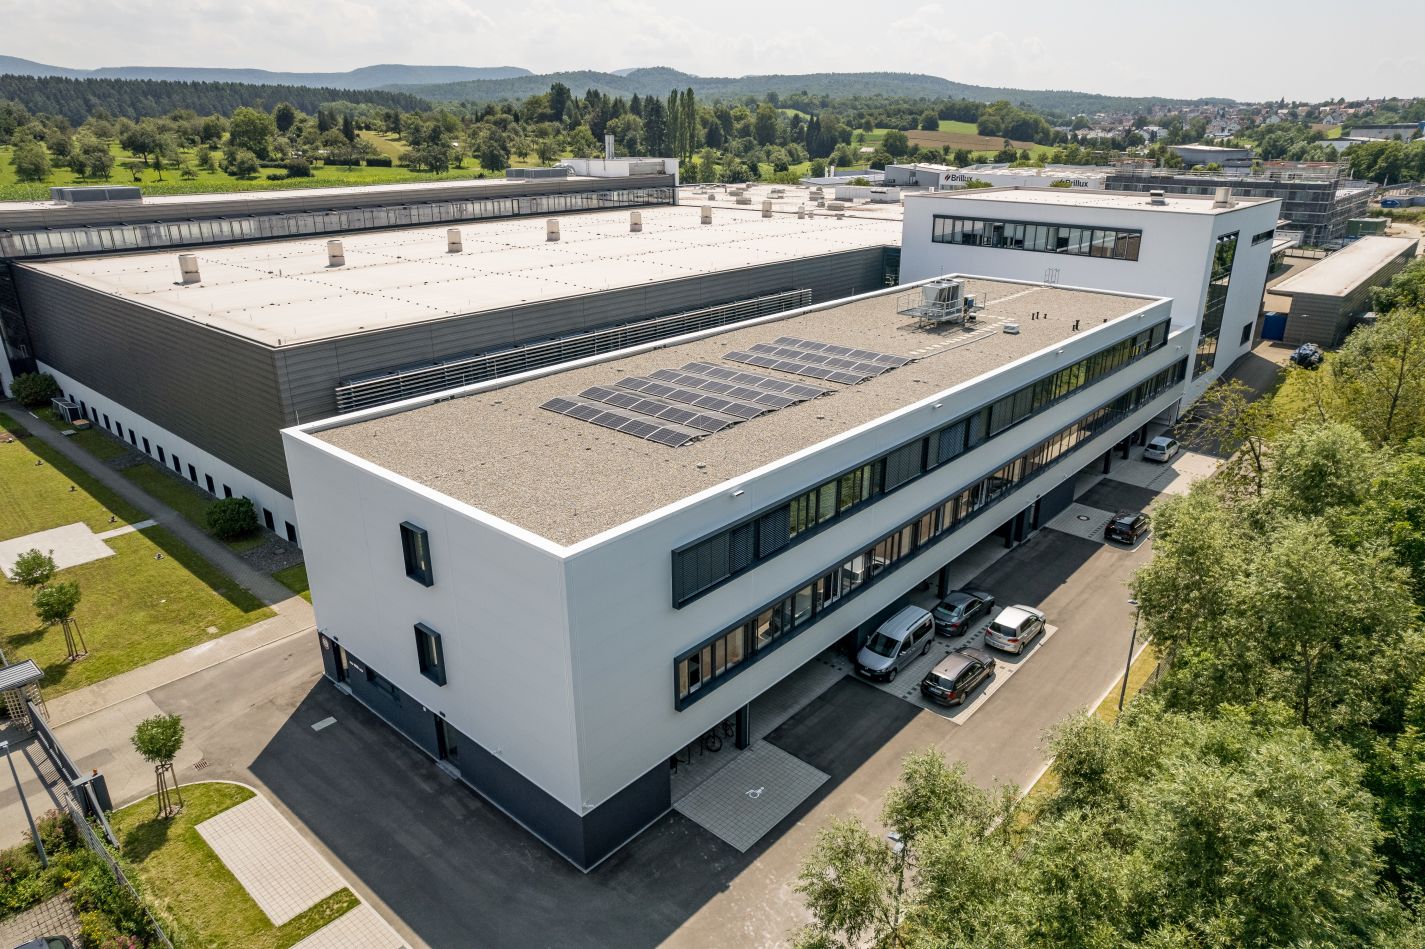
{"x": 34, "y": 389}
{"x": 378, "y": 161}
{"x": 33, "y": 568}
{"x": 299, "y": 168}
{"x": 231, "y": 517}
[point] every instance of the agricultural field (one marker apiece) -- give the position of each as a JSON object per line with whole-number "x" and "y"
{"x": 954, "y": 135}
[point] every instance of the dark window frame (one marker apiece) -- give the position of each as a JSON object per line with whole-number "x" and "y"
{"x": 415, "y": 541}
{"x": 1038, "y": 237}
{"x": 430, "y": 653}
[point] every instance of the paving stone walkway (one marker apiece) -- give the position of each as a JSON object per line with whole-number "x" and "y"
{"x": 361, "y": 928}
{"x": 751, "y": 795}
{"x": 53, "y": 917}
{"x": 283, "y": 874}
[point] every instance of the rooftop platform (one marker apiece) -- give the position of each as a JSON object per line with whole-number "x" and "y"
{"x": 1088, "y": 198}
{"x": 568, "y": 480}
{"x": 1341, "y": 273}
{"x": 281, "y": 293}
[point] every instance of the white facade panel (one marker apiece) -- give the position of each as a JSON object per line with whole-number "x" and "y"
{"x": 497, "y": 601}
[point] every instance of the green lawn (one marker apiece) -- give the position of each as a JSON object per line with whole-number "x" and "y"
{"x": 294, "y": 578}
{"x": 183, "y": 497}
{"x": 94, "y": 440}
{"x": 960, "y": 128}
{"x": 190, "y": 885}
{"x": 136, "y": 607}
{"x": 37, "y": 497}
{"x": 323, "y": 176}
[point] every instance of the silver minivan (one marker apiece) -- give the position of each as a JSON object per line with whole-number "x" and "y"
{"x": 896, "y": 643}
{"x": 1014, "y": 628}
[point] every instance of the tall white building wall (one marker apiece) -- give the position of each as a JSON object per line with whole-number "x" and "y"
{"x": 1175, "y": 256}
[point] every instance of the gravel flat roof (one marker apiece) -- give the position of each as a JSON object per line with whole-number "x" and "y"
{"x": 567, "y": 479}
{"x": 284, "y": 292}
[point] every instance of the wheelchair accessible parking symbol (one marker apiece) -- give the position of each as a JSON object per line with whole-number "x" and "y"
{"x": 755, "y": 793}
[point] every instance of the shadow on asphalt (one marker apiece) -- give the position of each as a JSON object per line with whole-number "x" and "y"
{"x": 459, "y": 872}
{"x": 1036, "y": 568}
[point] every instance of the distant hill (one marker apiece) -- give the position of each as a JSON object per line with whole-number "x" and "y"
{"x": 660, "y": 80}
{"x": 367, "y": 77}
{"x": 77, "y": 99}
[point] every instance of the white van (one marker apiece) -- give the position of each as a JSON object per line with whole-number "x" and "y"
{"x": 896, "y": 643}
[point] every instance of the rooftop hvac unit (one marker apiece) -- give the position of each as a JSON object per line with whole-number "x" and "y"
{"x": 1222, "y": 198}
{"x": 942, "y": 291}
{"x": 1156, "y": 197}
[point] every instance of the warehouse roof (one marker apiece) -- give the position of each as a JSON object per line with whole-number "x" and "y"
{"x": 565, "y": 479}
{"x": 285, "y": 292}
{"x": 1341, "y": 273}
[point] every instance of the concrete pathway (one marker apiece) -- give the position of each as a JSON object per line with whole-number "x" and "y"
{"x": 286, "y": 876}
{"x": 279, "y": 870}
{"x": 69, "y": 546}
{"x": 127, "y": 529}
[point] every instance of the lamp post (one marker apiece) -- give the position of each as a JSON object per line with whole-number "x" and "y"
{"x": 1128, "y": 666}
{"x": 34, "y": 832}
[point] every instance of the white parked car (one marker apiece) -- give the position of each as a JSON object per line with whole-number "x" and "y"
{"x": 1162, "y": 449}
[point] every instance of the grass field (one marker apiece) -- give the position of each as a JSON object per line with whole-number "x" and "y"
{"x": 953, "y": 135}
{"x": 217, "y": 181}
{"x": 190, "y": 885}
{"x": 96, "y": 442}
{"x": 36, "y": 497}
{"x": 184, "y": 498}
{"x": 136, "y": 606}
{"x": 294, "y": 578}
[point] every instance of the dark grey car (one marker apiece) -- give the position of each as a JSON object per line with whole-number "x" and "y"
{"x": 961, "y": 610}
{"x": 957, "y": 675}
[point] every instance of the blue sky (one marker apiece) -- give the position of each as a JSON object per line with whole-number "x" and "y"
{"x": 1307, "y": 49}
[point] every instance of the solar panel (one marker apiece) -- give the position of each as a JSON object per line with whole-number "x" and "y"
{"x": 622, "y": 422}
{"x": 820, "y": 359}
{"x": 867, "y": 355}
{"x": 656, "y": 409}
{"x": 703, "y": 400}
{"x": 793, "y": 390}
{"x": 799, "y": 368}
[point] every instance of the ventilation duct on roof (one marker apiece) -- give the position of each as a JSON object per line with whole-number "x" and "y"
{"x": 1223, "y": 198}
{"x": 766, "y": 208}
{"x": 336, "y": 257}
{"x": 707, "y": 214}
{"x": 551, "y": 229}
{"x": 188, "y": 268}
{"x": 453, "y": 244}
{"x": 635, "y": 222}
{"x": 1156, "y": 197}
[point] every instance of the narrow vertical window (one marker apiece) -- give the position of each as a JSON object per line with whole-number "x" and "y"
{"x": 415, "y": 544}
{"x": 430, "y": 654}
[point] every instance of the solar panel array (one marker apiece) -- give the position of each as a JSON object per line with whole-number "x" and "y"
{"x": 798, "y": 368}
{"x": 653, "y": 408}
{"x": 793, "y": 390}
{"x": 820, "y": 359}
{"x": 866, "y": 355}
{"x": 705, "y": 400}
{"x": 670, "y": 435}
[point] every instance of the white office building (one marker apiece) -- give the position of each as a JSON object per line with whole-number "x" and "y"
{"x": 1209, "y": 253}
{"x": 553, "y": 582}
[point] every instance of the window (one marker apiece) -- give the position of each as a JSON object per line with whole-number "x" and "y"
{"x": 1223, "y": 257}
{"x": 161, "y": 459}
{"x": 133, "y": 439}
{"x": 208, "y": 480}
{"x": 177, "y": 466}
{"x": 192, "y": 474}
{"x": 1246, "y": 334}
{"x": 726, "y": 654}
{"x": 430, "y": 654}
{"x": 291, "y": 531}
{"x": 415, "y": 544}
{"x": 267, "y": 519}
{"x": 227, "y": 491}
{"x": 1109, "y": 242}
{"x": 1263, "y": 236}
{"x": 708, "y": 562}
{"x": 119, "y": 428}
{"x": 106, "y": 420}
{"x": 146, "y": 449}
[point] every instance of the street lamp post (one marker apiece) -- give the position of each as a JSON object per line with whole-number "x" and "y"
{"x": 34, "y": 832}
{"x": 1128, "y": 666}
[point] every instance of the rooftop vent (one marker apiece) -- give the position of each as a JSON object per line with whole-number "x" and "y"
{"x": 188, "y": 268}
{"x": 1222, "y": 198}
{"x": 336, "y": 257}
{"x": 551, "y": 229}
{"x": 1012, "y": 329}
{"x": 452, "y": 240}
{"x": 766, "y": 208}
{"x": 635, "y": 222}
{"x": 707, "y": 214}
{"x": 1156, "y": 197}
